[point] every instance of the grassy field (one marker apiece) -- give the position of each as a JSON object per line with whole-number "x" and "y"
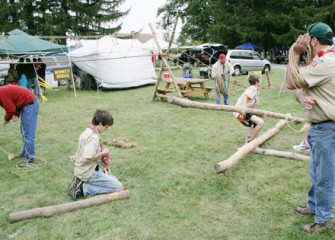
{"x": 175, "y": 191}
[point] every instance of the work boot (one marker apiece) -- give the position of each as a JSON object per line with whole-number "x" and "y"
{"x": 318, "y": 227}
{"x": 303, "y": 210}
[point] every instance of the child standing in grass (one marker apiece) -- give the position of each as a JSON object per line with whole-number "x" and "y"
{"x": 89, "y": 179}
{"x": 249, "y": 99}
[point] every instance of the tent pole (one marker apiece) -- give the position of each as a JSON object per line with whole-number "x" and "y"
{"x": 72, "y": 78}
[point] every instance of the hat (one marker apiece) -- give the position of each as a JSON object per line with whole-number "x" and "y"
{"x": 319, "y": 30}
{"x": 222, "y": 56}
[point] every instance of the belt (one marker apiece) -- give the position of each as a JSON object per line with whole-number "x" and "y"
{"x": 328, "y": 121}
{"x": 32, "y": 101}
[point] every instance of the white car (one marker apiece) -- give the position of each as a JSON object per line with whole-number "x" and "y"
{"x": 245, "y": 61}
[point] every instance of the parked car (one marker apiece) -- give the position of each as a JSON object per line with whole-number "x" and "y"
{"x": 54, "y": 63}
{"x": 184, "y": 57}
{"x": 245, "y": 61}
{"x": 3, "y": 72}
{"x": 208, "y": 53}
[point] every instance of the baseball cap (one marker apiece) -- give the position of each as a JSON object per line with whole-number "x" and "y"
{"x": 222, "y": 56}
{"x": 319, "y": 30}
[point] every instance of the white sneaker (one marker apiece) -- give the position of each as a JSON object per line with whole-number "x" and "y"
{"x": 301, "y": 147}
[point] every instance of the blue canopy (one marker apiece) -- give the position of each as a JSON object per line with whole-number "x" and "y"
{"x": 248, "y": 46}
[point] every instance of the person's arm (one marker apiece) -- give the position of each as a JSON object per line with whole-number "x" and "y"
{"x": 97, "y": 156}
{"x": 214, "y": 70}
{"x": 306, "y": 101}
{"x": 231, "y": 69}
{"x": 298, "y": 48}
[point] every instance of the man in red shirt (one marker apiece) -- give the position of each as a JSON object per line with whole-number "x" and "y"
{"x": 19, "y": 101}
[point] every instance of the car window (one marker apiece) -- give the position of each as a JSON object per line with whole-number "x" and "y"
{"x": 256, "y": 56}
{"x": 235, "y": 54}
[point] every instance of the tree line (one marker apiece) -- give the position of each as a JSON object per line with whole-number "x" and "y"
{"x": 62, "y": 17}
{"x": 269, "y": 23}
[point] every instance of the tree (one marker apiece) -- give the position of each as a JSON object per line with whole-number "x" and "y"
{"x": 59, "y": 17}
{"x": 269, "y": 23}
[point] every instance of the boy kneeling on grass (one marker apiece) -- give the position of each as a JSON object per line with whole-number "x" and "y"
{"x": 89, "y": 179}
{"x": 249, "y": 99}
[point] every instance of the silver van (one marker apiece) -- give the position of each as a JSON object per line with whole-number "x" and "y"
{"x": 245, "y": 61}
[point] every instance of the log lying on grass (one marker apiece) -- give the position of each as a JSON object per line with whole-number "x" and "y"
{"x": 193, "y": 104}
{"x": 272, "y": 152}
{"x": 68, "y": 207}
{"x": 245, "y": 149}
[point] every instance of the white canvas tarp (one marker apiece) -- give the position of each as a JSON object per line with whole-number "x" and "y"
{"x": 115, "y": 63}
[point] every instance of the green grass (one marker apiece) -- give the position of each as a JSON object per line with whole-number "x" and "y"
{"x": 175, "y": 191}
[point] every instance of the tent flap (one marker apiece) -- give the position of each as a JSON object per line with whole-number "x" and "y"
{"x": 115, "y": 63}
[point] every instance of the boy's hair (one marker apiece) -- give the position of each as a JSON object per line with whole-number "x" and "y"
{"x": 103, "y": 117}
{"x": 253, "y": 79}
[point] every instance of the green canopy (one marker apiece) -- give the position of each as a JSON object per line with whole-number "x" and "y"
{"x": 17, "y": 42}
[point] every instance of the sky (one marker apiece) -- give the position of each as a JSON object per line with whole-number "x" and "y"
{"x": 141, "y": 14}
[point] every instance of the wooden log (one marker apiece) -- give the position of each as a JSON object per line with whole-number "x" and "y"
{"x": 193, "y": 104}
{"x": 245, "y": 149}
{"x": 68, "y": 207}
{"x": 277, "y": 153}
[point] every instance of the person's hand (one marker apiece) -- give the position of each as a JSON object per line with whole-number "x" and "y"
{"x": 301, "y": 44}
{"x": 105, "y": 152}
{"x": 15, "y": 118}
{"x": 308, "y": 102}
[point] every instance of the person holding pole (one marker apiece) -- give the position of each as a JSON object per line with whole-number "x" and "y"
{"x": 317, "y": 80}
{"x": 221, "y": 72}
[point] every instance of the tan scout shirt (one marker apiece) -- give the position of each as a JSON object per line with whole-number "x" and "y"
{"x": 320, "y": 76}
{"x": 88, "y": 146}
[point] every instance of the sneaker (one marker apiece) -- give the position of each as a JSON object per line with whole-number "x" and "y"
{"x": 303, "y": 210}
{"x": 75, "y": 189}
{"x": 20, "y": 155}
{"x": 301, "y": 147}
{"x": 318, "y": 227}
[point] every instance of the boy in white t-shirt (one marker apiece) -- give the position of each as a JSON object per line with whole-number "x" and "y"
{"x": 249, "y": 99}
{"x": 89, "y": 179}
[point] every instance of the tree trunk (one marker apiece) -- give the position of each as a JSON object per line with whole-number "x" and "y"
{"x": 68, "y": 207}
{"x": 193, "y": 104}
{"x": 245, "y": 149}
{"x": 272, "y": 152}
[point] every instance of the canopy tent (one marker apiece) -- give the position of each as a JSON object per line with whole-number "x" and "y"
{"x": 115, "y": 63}
{"x": 17, "y": 42}
{"x": 248, "y": 46}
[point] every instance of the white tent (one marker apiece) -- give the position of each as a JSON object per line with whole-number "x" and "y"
{"x": 115, "y": 63}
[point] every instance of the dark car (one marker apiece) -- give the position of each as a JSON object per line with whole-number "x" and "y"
{"x": 184, "y": 57}
{"x": 208, "y": 53}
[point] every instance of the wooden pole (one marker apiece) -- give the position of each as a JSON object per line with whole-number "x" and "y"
{"x": 272, "y": 152}
{"x": 164, "y": 60}
{"x": 193, "y": 104}
{"x": 68, "y": 207}
{"x": 245, "y": 149}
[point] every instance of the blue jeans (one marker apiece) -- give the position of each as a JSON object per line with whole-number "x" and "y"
{"x": 34, "y": 81}
{"x": 225, "y": 96}
{"x": 28, "y": 127}
{"x": 321, "y": 195}
{"x": 101, "y": 183}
